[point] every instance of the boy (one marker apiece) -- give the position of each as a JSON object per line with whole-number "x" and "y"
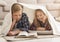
{"x": 19, "y": 20}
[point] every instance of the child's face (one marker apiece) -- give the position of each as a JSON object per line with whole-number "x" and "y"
{"x": 17, "y": 15}
{"x": 40, "y": 15}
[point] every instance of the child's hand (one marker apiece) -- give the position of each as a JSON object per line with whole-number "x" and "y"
{"x": 40, "y": 29}
{"x": 13, "y": 33}
{"x": 14, "y": 18}
{"x": 13, "y": 23}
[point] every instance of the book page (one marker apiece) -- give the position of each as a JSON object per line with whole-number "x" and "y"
{"x": 25, "y": 34}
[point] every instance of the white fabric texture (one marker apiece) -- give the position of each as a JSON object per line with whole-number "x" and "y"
{"x": 54, "y": 24}
{"x": 6, "y": 24}
{"x": 2, "y": 40}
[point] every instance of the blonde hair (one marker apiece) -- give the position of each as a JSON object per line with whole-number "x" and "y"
{"x": 15, "y": 7}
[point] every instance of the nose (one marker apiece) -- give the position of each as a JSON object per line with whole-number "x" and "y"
{"x": 18, "y": 16}
{"x": 41, "y": 17}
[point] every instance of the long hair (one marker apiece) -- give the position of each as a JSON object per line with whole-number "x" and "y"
{"x": 36, "y": 22}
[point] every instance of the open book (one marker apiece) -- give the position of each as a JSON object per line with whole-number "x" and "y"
{"x": 25, "y": 34}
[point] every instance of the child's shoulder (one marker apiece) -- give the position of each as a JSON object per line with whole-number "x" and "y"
{"x": 24, "y": 14}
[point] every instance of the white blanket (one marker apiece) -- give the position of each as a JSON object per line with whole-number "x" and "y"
{"x": 6, "y": 24}
{"x": 54, "y": 24}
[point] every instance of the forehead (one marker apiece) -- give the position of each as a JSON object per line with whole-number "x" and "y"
{"x": 17, "y": 13}
{"x": 39, "y": 11}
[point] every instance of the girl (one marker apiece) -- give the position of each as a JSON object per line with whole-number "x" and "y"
{"x": 40, "y": 22}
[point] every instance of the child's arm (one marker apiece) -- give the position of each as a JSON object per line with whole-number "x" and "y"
{"x": 13, "y": 33}
{"x": 13, "y": 23}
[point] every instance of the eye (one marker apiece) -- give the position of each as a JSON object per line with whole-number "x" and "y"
{"x": 15, "y": 15}
{"x": 40, "y": 15}
{"x": 19, "y": 15}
